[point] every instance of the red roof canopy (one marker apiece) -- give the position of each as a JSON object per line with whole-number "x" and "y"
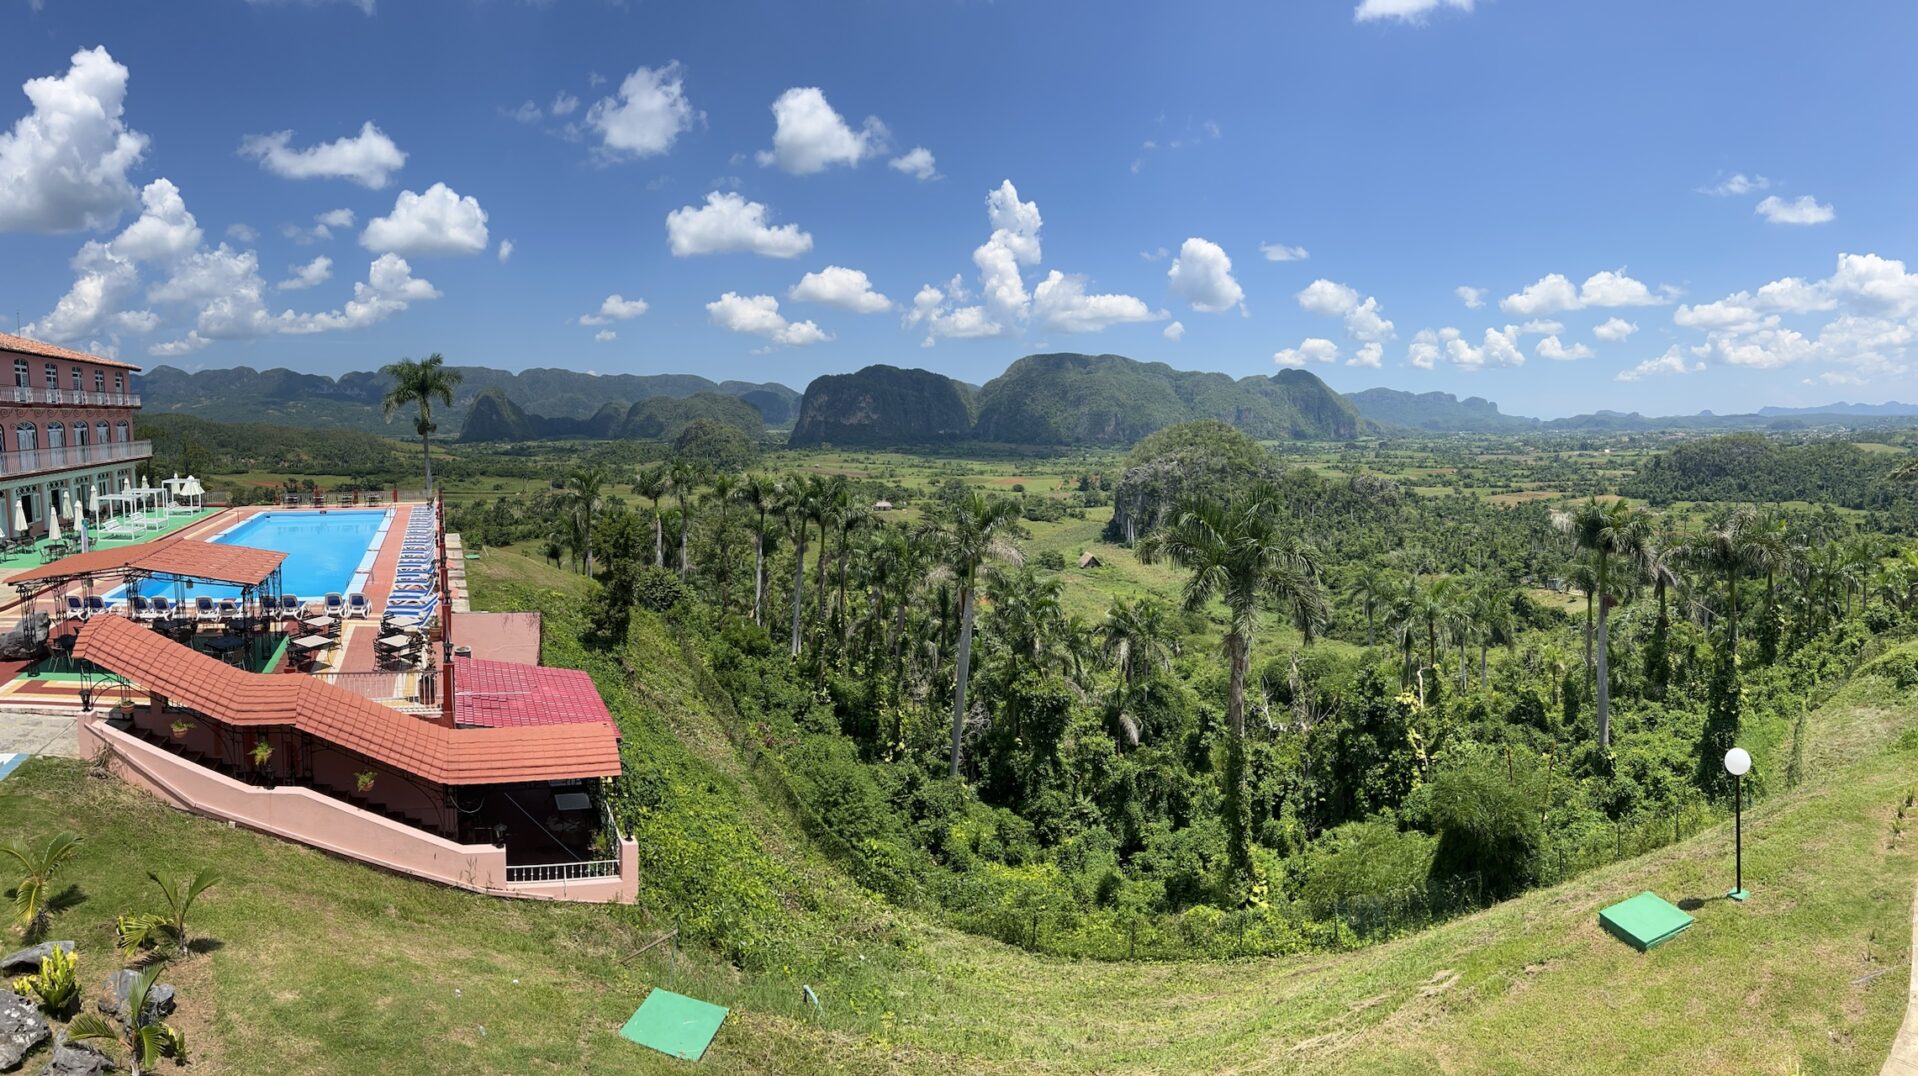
{"x": 237, "y": 565}
{"x": 510, "y": 694}
{"x": 453, "y": 757}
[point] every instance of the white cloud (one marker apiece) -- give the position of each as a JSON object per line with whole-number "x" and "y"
{"x": 1872, "y": 332}
{"x": 759, "y": 315}
{"x": 1553, "y": 293}
{"x": 164, "y": 229}
{"x": 1738, "y": 183}
{"x": 1363, "y": 321}
{"x": 242, "y": 233}
{"x": 1551, "y": 348}
{"x": 1671, "y": 362}
{"x": 1803, "y": 209}
{"x": 1370, "y": 355}
{"x": 318, "y": 271}
{"x": 1613, "y": 330}
{"x": 809, "y": 137}
{"x": 64, "y": 165}
{"x": 1174, "y": 332}
{"x": 729, "y": 224}
{"x": 1412, "y": 11}
{"x": 505, "y": 251}
{"x": 646, "y": 116}
{"x": 1060, "y": 303}
{"x": 225, "y": 287}
{"x": 563, "y": 104}
{"x": 1541, "y": 327}
{"x": 335, "y": 218}
{"x": 1279, "y": 252}
{"x": 527, "y": 112}
{"x": 615, "y": 307}
{"x": 322, "y": 229}
{"x": 1202, "y": 276}
{"x": 1311, "y": 349}
{"x": 437, "y": 222}
{"x": 916, "y": 162}
{"x": 1473, "y": 298}
{"x": 1498, "y": 347}
{"x": 369, "y": 158}
{"x": 605, "y": 336}
{"x": 835, "y": 285}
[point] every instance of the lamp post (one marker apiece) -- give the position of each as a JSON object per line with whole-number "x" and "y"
{"x": 1738, "y": 763}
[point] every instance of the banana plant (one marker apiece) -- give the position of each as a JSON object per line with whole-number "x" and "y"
{"x": 145, "y": 1039}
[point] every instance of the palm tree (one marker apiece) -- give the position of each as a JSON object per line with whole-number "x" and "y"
{"x": 1375, "y": 589}
{"x": 419, "y": 384}
{"x": 584, "y": 491}
{"x": 653, "y": 483}
{"x": 1135, "y": 637}
{"x": 758, "y": 496}
{"x": 1725, "y": 551}
{"x": 722, "y": 486}
{"x": 1493, "y": 619}
{"x": 686, "y": 477}
{"x": 37, "y": 866}
{"x": 800, "y": 499}
{"x": 179, "y": 893}
{"x": 1614, "y": 535}
{"x": 1660, "y": 558}
{"x": 976, "y": 533}
{"x": 1239, "y": 554}
{"x": 144, "y": 1036}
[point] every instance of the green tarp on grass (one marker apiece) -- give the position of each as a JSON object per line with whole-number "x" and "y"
{"x": 1644, "y": 921}
{"x": 674, "y": 1024}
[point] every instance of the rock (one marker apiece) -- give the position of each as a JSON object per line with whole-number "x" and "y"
{"x": 21, "y": 1029}
{"x": 72, "y": 1060}
{"x": 28, "y": 639}
{"x": 120, "y": 984}
{"x": 28, "y": 959}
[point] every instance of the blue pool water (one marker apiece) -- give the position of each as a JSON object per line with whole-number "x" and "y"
{"x": 324, "y": 550}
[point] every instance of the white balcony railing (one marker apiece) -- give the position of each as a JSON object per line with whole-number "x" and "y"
{"x": 561, "y": 872}
{"x": 27, "y": 394}
{"x": 36, "y": 460}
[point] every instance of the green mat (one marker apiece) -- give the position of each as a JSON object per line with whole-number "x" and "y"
{"x": 674, "y": 1024}
{"x": 1644, "y": 921}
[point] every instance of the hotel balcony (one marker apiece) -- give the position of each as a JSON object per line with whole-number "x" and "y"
{"x": 72, "y": 457}
{"x": 25, "y": 394}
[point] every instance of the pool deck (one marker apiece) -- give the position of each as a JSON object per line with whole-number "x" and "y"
{"x": 45, "y": 704}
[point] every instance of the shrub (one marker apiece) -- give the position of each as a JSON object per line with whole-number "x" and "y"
{"x": 1487, "y": 826}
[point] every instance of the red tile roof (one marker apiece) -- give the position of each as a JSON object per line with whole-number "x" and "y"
{"x": 454, "y": 757}
{"x": 241, "y": 566}
{"x": 503, "y": 694}
{"x": 24, "y": 346}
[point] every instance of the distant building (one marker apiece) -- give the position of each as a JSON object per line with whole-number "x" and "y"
{"x": 882, "y": 506}
{"x": 1089, "y": 560}
{"x": 67, "y": 427}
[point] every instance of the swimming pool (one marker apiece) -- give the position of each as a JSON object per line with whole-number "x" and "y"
{"x": 327, "y": 552}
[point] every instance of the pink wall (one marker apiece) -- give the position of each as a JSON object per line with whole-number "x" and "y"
{"x": 315, "y": 819}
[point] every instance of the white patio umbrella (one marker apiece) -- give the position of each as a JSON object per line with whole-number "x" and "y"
{"x": 93, "y": 501}
{"x": 73, "y": 516}
{"x": 53, "y": 525}
{"x": 19, "y": 518}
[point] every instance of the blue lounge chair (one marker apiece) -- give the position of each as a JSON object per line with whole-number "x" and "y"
{"x": 334, "y": 605}
{"x": 203, "y": 608}
{"x": 162, "y": 606}
{"x": 75, "y": 609}
{"x": 357, "y": 605}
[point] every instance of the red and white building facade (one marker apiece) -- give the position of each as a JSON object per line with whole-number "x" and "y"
{"x": 66, "y": 427}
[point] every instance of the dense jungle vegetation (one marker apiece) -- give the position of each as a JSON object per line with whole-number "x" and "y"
{"x": 1356, "y": 703}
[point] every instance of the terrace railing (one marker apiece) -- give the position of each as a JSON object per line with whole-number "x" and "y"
{"x": 34, "y": 460}
{"x": 27, "y": 394}
{"x": 561, "y": 872}
{"x": 378, "y": 685}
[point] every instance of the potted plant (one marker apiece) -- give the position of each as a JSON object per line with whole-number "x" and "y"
{"x": 262, "y": 752}
{"x": 363, "y": 781}
{"x": 180, "y": 729}
{"x": 126, "y": 707}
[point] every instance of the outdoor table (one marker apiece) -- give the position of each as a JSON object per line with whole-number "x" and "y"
{"x": 312, "y": 642}
{"x": 225, "y": 645}
{"x": 573, "y": 801}
{"x": 319, "y": 625}
{"x": 397, "y": 642}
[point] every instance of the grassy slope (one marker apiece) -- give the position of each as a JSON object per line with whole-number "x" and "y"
{"x": 327, "y": 966}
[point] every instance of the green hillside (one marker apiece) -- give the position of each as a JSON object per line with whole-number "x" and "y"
{"x": 883, "y": 405}
{"x": 325, "y": 966}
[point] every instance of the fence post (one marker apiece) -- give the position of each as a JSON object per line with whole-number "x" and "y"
{"x": 1132, "y": 943}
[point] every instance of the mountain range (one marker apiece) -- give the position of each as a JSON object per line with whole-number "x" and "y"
{"x": 1052, "y": 400}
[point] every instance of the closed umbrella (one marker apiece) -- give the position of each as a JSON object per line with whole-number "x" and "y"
{"x": 73, "y": 515}
{"x": 93, "y": 501}
{"x": 53, "y": 526}
{"x": 19, "y": 518}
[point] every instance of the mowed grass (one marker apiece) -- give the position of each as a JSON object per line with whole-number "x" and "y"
{"x": 326, "y": 966}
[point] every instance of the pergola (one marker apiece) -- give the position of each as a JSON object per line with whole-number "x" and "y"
{"x": 185, "y": 561}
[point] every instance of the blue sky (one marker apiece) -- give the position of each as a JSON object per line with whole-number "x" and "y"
{"x": 1698, "y": 205}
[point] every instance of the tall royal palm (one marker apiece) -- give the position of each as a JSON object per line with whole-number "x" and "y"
{"x": 417, "y": 384}
{"x": 978, "y": 532}
{"x": 686, "y": 478}
{"x": 758, "y": 496}
{"x": 584, "y": 492}
{"x": 800, "y": 500}
{"x": 1240, "y": 554}
{"x": 1615, "y": 536}
{"x": 653, "y": 483}
{"x": 1726, "y": 552}
{"x": 1136, "y": 636}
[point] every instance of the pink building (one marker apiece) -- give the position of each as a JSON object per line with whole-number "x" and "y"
{"x": 66, "y": 427}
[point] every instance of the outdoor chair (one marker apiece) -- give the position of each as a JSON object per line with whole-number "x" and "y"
{"x": 203, "y": 608}
{"x": 358, "y": 606}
